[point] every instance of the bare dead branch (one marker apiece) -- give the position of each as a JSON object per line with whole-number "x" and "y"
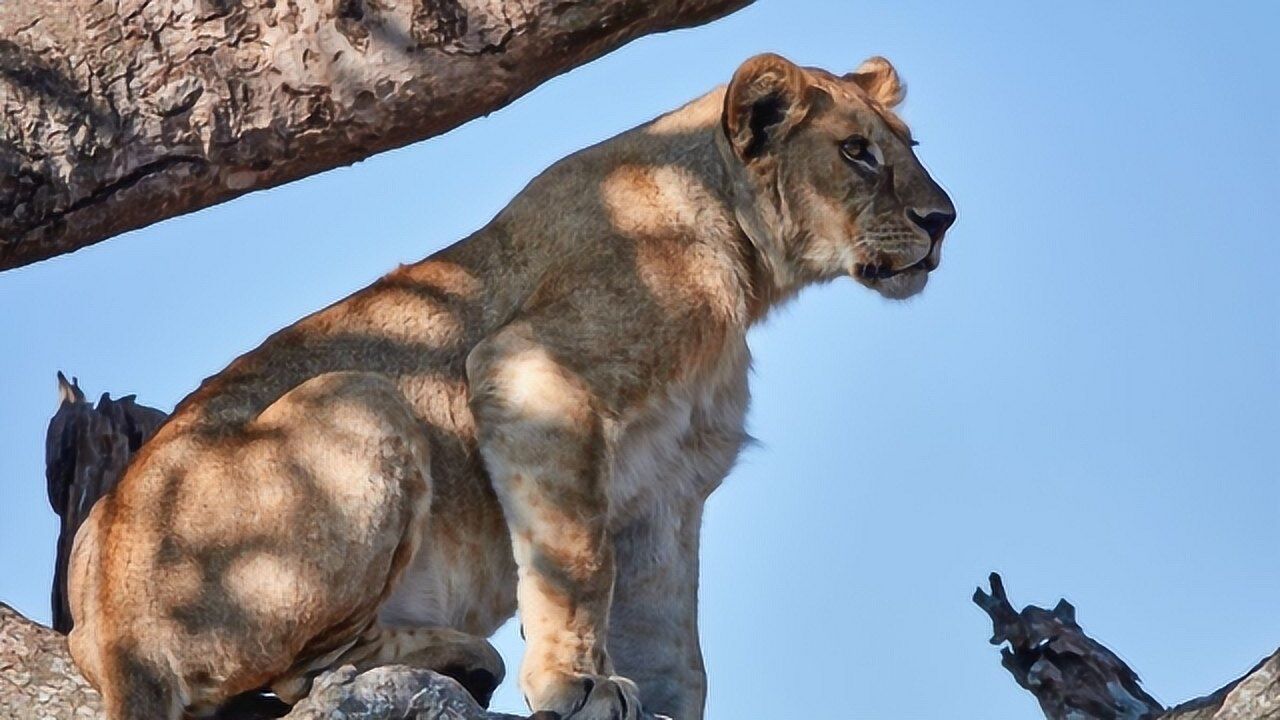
{"x": 1074, "y": 677}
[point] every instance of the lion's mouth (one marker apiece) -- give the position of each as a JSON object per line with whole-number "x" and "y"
{"x": 884, "y": 270}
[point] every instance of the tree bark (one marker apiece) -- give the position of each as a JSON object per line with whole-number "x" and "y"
{"x": 1074, "y": 677}
{"x": 37, "y": 676}
{"x": 39, "y": 681}
{"x": 115, "y": 114}
{"x": 1070, "y": 673}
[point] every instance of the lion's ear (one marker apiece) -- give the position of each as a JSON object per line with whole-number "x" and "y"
{"x": 765, "y": 99}
{"x": 879, "y": 81}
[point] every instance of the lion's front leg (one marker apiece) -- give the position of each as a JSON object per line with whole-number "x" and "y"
{"x": 653, "y": 625}
{"x": 541, "y": 439}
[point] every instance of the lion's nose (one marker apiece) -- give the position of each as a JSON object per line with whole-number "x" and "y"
{"x": 935, "y": 224}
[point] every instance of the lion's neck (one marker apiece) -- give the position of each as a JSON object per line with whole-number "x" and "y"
{"x": 762, "y": 228}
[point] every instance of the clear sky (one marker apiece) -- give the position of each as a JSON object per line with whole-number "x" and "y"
{"x": 1086, "y": 398}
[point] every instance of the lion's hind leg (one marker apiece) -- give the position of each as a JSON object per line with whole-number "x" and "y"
{"x": 226, "y": 562}
{"x": 335, "y": 476}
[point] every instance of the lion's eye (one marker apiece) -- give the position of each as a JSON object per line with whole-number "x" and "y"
{"x": 857, "y": 149}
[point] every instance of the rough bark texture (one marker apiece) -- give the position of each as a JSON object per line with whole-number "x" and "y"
{"x": 86, "y": 451}
{"x": 39, "y": 681}
{"x": 1071, "y": 674}
{"x": 1256, "y": 696}
{"x": 390, "y": 692}
{"x": 1074, "y": 677}
{"x": 37, "y": 677}
{"x": 115, "y": 114}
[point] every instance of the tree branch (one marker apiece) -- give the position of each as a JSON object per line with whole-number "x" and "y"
{"x": 37, "y": 677}
{"x": 114, "y": 115}
{"x": 39, "y": 680}
{"x": 1074, "y": 677}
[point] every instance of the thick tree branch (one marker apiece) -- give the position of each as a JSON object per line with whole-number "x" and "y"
{"x": 38, "y": 680}
{"x": 115, "y": 114}
{"x": 37, "y": 677}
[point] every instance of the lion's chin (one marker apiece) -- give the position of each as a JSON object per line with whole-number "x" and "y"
{"x": 900, "y": 286}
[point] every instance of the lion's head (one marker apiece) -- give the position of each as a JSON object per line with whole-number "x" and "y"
{"x": 833, "y": 174}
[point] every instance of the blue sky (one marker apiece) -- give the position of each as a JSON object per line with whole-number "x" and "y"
{"x": 1086, "y": 398}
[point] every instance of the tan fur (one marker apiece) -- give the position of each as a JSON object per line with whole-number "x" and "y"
{"x": 536, "y": 413}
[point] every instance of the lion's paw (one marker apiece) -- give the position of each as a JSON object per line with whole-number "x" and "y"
{"x": 593, "y": 697}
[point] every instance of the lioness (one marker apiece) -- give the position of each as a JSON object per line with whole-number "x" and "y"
{"x": 532, "y": 417}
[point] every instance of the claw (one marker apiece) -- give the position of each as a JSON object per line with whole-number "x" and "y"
{"x": 588, "y": 685}
{"x": 622, "y": 700}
